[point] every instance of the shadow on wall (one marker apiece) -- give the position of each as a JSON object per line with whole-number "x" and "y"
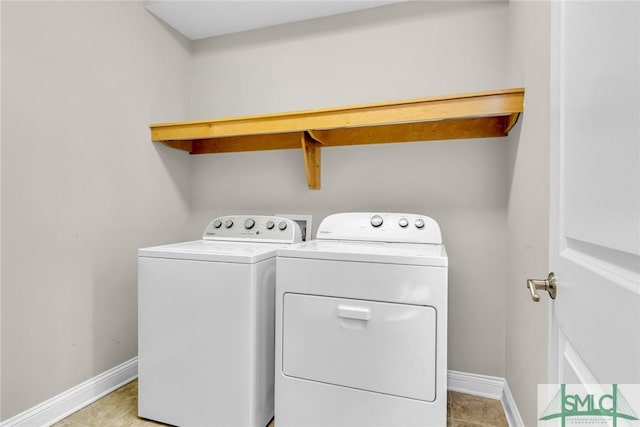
{"x": 175, "y": 163}
{"x": 332, "y": 25}
{"x": 166, "y": 186}
{"x": 514, "y": 145}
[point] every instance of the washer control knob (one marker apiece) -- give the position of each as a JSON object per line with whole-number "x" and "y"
{"x": 376, "y": 220}
{"x": 404, "y": 222}
{"x": 228, "y": 223}
{"x": 419, "y": 223}
{"x": 270, "y": 225}
{"x": 217, "y": 223}
{"x": 249, "y": 223}
{"x": 282, "y": 225}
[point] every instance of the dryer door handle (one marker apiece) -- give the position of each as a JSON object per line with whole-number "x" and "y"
{"x": 352, "y": 312}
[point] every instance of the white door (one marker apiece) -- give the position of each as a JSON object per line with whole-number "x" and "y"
{"x": 595, "y": 192}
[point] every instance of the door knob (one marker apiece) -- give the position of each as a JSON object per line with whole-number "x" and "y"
{"x": 549, "y": 285}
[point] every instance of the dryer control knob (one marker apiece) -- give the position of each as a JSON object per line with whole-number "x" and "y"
{"x": 270, "y": 225}
{"x": 228, "y": 223}
{"x": 249, "y": 223}
{"x": 419, "y": 223}
{"x": 404, "y": 222}
{"x": 217, "y": 223}
{"x": 376, "y": 220}
{"x": 282, "y": 225}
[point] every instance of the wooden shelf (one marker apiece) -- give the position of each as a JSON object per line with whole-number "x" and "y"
{"x": 474, "y": 115}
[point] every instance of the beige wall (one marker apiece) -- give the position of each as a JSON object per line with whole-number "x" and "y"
{"x": 402, "y": 51}
{"x": 82, "y": 186}
{"x": 528, "y": 208}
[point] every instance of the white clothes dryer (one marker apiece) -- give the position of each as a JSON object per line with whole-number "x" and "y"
{"x": 361, "y": 324}
{"x": 206, "y": 324}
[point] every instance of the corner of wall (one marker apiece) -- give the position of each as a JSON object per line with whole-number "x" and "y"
{"x": 528, "y": 205}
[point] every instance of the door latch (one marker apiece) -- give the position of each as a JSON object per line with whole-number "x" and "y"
{"x": 549, "y": 285}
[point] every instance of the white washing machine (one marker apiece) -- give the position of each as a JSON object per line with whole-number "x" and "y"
{"x": 361, "y": 324}
{"x": 206, "y": 324}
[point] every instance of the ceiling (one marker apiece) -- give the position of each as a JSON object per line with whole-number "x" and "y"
{"x": 201, "y": 19}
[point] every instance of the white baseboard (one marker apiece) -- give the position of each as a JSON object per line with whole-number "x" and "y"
{"x": 76, "y": 398}
{"x": 68, "y": 402}
{"x": 510, "y": 409}
{"x": 487, "y": 386}
{"x": 478, "y": 385}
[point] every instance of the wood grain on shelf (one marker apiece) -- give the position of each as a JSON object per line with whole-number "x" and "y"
{"x": 473, "y": 115}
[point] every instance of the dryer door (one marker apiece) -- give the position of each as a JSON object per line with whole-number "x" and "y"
{"x": 377, "y": 346}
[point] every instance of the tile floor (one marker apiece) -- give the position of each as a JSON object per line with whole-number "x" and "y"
{"x": 119, "y": 409}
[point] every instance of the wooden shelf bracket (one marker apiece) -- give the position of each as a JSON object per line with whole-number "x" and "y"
{"x": 311, "y": 153}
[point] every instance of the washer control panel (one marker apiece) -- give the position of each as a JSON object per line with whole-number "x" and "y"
{"x": 380, "y": 227}
{"x": 253, "y": 228}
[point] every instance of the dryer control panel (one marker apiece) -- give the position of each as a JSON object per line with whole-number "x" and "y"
{"x": 380, "y": 227}
{"x": 253, "y": 228}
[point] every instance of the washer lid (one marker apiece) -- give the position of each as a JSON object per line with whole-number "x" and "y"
{"x": 379, "y": 252}
{"x": 206, "y": 250}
